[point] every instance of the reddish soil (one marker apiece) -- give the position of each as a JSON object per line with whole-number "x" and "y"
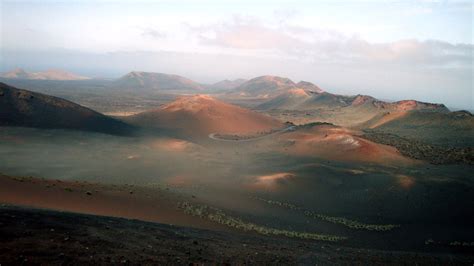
{"x": 341, "y": 144}
{"x": 202, "y": 114}
{"x": 147, "y": 204}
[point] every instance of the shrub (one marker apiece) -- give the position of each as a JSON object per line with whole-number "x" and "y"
{"x": 336, "y": 220}
{"x": 218, "y": 216}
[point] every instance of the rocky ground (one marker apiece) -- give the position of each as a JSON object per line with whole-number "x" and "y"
{"x": 35, "y": 236}
{"x": 422, "y": 151}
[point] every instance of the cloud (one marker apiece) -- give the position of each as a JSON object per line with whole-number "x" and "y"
{"x": 323, "y": 45}
{"x": 153, "y": 33}
{"x": 244, "y": 35}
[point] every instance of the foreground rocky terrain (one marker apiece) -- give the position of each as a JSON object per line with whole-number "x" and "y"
{"x": 68, "y": 238}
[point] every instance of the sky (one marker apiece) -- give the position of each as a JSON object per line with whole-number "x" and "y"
{"x": 392, "y": 50}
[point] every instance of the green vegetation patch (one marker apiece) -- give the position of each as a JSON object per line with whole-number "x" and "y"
{"x": 351, "y": 223}
{"x": 218, "y": 216}
{"x": 421, "y": 151}
{"x": 332, "y": 219}
{"x": 279, "y": 203}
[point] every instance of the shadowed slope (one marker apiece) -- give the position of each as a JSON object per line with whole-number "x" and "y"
{"x": 29, "y": 109}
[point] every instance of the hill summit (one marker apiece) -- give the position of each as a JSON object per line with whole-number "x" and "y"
{"x": 203, "y": 114}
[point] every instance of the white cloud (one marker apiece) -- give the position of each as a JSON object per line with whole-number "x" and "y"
{"x": 380, "y": 49}
{"x": 152, "y": 33}
{"x": 313, "y": 44}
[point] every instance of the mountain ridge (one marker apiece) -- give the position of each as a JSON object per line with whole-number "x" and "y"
{"x": 50, "y": 74}
{"x": 155, "y": 81}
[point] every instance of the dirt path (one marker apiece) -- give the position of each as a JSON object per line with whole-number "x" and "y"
{"x": 213, "y": 136}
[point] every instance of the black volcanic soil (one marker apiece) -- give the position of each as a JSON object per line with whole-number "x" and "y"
{"x": 35, "y": 236}
{"x": 422, "y": 151}
{"x": 24, "y": 108}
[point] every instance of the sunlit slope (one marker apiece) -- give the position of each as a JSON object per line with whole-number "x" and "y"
{"x": 267, "y": 87}
{"x": 202, "y": 114}
{"x": 154, "y": 81}
{"x": 51, "y": 74}
{"x": 337, "y": 143}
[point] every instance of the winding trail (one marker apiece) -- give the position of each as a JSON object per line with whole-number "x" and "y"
{"x": 213, "y": 135}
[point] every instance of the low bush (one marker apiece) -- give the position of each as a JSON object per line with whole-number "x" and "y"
{"x": 332, "y": 219}
{"x": 218, "y": 216}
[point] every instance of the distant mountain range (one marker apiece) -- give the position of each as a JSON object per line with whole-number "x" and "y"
{"x": 52, "y": 74}
{"x": 260, "y": 87}
{"x": 155, "y": 81}
{"x": 151, "y": 81}
{"x": 267, "y": 87}
{"x": 226, "y": 84}
{"x": 281, "y": 98}
{"x": 29, "y": 109}
{"x": 360, "y": 111}
{"x": 301, "y": 99}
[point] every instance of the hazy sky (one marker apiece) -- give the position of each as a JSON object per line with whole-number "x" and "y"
{"x": 389, "y": 49}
